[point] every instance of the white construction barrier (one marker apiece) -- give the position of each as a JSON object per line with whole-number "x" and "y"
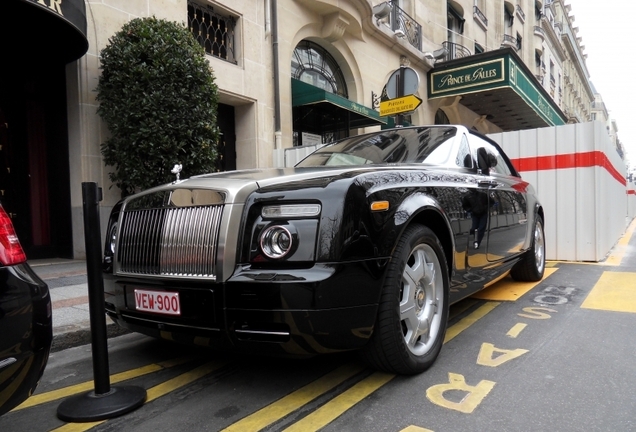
{"x": 631, "y": 201}
{"x": 580, "y": 180}
{"x": 291, "y": 156}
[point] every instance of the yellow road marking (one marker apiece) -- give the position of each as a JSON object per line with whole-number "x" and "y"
{"x": 341, "y": 403}
{"x": 614, "y": 291}
{"x": 461, "y": 307}
{"x": 273, "y": 412}
{"x": 510, "y": 290}
{"x": 454, "y": 330}
{"x": 153, "y": 393}
{"x": 90, "y": 385}
{"x": 516, "y": 330}
{"x": 264, "y": 417}
{"x": 182, "y": 380}
{"x": 415, "y": 429}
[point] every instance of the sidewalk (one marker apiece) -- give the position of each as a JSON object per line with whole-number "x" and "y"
{"x": 69, "y": 295}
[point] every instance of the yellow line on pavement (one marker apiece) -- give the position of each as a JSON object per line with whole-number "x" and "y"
{"x": 454, "y": 330}
{"x": 341, "y": 403}
{"x": 90, "y": 385}
{"x": 510, "y": 290}
{"x": 273, "y": 412}
{"x": 182, "y": 380}
{"x": 153, "y": 393}
{"x": 292, "y": 402}
{"x": 345, "y": 401}
{"x": 614, "y": 291}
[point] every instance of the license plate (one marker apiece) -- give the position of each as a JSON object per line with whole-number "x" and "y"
{"x": 160, "y": 302}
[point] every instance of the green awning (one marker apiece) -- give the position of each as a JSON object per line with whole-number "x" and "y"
{"x": 497, "y": 84}
{"x": 330, "y": 110}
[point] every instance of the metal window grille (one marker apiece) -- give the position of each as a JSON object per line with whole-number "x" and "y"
{"x": 214, "y": 31}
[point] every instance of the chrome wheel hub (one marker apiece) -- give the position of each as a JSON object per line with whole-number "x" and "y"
{"x": 421, "y": 299}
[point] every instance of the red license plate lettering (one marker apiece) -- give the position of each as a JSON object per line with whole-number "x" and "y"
{"x": 160, "y": 302}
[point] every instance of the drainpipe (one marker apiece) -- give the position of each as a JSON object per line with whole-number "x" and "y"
{"x": 278, "y": 135}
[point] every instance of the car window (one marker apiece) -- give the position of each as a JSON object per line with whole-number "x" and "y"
{"x": 464, "y": 158}
{"x": 501, "y": 166}
{"x": 430, "y": 144}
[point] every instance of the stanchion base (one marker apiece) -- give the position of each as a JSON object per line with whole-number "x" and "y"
{"x": 89, "y": 407}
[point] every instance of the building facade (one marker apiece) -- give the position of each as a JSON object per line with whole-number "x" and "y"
{"x": 301, "y": 72}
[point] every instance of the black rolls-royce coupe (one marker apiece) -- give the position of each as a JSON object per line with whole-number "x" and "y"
{"x": 362, "y": 246}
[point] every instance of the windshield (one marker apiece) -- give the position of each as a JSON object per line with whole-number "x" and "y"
{"x": 409, "y": 145}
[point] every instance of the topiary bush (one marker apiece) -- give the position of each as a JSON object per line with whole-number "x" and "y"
{"x": 158, "y": 98}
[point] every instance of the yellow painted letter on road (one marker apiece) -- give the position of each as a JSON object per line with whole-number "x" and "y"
{"x": 535, "y": 313}
{"x": 472, "y": 399}
{"x": 487, "y": 352}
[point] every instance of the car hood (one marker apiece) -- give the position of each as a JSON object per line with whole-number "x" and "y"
{"x": 276, "y": 176}
{"x": 236, "y": 186}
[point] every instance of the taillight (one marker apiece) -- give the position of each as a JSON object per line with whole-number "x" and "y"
{"x": 11, "y": 252}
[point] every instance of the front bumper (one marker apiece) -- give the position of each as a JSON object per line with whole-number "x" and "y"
{"x": 300, "y": 312}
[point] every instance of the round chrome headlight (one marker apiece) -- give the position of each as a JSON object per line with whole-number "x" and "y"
{"x": 276, "y": 242}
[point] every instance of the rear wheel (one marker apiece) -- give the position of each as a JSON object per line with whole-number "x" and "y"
{"x": 413, "y": 311}
{"x": 532, "y": 265}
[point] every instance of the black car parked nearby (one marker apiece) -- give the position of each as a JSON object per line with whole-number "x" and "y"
{"x": 362, "y": 246}
{"x": 25, "y": 321}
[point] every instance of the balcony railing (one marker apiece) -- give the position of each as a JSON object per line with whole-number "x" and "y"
{"x": 454, "y": 51}
{"x": 400, "y": 20}
{"x": 480, "y": 17}
{"x": 510, "y": 41}
{"x": 520, "y": 14}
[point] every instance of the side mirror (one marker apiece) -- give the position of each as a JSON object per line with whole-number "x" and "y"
{"x": 485, "y": 160}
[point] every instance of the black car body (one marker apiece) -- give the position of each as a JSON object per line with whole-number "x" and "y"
{"x": 363, "y": 245}
{"x": 25, "y": 321}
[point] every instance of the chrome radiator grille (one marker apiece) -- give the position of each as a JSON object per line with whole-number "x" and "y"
{"x": 170, "y": 241}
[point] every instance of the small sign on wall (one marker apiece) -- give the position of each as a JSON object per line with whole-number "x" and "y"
{"x": 308, "y": 139}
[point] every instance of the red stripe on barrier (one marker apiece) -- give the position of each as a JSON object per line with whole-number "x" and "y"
{"x": 631, "y": 192}
{"x": 570, "y": 160}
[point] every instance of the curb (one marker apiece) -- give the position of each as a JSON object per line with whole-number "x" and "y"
{"x": 82, "y": 336}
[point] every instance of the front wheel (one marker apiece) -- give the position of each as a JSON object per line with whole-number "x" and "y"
{"x": 532, "y": 265}
{"x": 413, "y": 311}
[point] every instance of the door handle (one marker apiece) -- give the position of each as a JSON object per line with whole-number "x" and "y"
{"x": 487, "y": 183}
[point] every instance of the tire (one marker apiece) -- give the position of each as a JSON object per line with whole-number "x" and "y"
{"x": 413, "y": 310}
{"x": 532, "y": 265}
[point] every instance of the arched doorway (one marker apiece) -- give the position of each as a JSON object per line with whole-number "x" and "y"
{"x": 322, "y": 111}
{"x": 441, "y": 118}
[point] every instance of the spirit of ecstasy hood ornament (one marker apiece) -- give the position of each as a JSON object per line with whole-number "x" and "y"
{"x": 176, "y": 170}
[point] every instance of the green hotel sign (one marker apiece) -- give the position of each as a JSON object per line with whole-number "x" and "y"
{"x": 495, "y": 73}
{"x": 482, "y": 76}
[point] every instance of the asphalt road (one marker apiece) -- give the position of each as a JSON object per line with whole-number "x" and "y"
{"x": 554, "y": 356}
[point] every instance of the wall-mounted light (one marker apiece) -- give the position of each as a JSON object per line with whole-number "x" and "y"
{"x": 381, "y": 11}
{"x": 436, "y": 55}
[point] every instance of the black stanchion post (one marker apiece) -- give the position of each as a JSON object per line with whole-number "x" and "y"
{"x": 105, "y": 401}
